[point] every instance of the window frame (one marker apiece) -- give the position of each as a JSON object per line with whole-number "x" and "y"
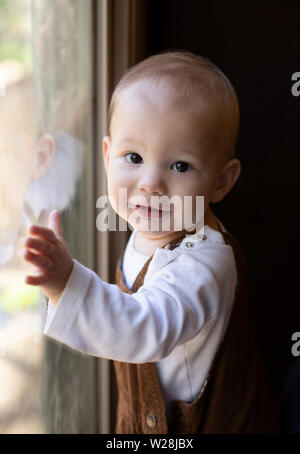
{"x": 118, "y": 24}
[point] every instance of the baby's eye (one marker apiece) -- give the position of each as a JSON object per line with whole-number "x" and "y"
{"x": 132, "y": 158}
{"x": 181, "y": 166}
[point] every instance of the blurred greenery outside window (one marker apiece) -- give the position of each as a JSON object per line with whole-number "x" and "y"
{"x": 15, "y": 32}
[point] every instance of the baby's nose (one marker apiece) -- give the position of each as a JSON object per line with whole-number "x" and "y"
{"x": 152, "y": 182}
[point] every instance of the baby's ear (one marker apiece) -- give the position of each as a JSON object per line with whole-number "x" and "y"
{"x": 106, "y": 145}
{"x": 43, "y": 155}
{"x": 227, "y": 179}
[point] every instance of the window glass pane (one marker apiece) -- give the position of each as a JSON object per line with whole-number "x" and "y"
{"x": 45, "y": 163}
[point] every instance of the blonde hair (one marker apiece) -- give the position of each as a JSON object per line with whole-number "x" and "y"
{"x": 190, "y": 75}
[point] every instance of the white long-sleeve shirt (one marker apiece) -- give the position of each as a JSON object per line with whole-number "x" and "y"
{"x": 177, "y": 319}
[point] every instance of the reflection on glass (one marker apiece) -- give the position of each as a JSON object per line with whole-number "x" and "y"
{"x": 44, "y": 133}
{"x": 20, "y": 347}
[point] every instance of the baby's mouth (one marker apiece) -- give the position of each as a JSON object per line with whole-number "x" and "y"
{"x": 149, "y": 211}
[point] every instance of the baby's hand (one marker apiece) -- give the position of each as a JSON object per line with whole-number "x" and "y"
{"x": 47, "y": 250}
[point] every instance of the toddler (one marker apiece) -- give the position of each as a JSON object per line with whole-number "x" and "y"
{"x": 175, "y": 324}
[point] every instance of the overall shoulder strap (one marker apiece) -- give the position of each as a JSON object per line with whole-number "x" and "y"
{"x": 238, "y": 251}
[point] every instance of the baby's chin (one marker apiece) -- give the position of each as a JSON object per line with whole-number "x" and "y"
{"x": 151, "y": 234}
{"x": 156, "y": 234}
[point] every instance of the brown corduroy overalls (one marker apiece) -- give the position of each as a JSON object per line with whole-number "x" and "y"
{"x": 236, "y": 398}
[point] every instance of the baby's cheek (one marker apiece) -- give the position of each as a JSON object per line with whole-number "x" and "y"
{"x": 119, "y": 180}
{"x": 112, "y": 197}
{"x": 117, "y": 198}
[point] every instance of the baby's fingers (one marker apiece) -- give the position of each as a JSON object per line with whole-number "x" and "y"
{"x": 36, "y": 280}
{"x": 40, "y": 261}
{"x": 43, "y": 232}
{"x": 40, "y": 245}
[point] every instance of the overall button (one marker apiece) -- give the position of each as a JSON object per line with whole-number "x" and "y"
{"x": 151, "y": 420}
{"x": 189, "y": 244}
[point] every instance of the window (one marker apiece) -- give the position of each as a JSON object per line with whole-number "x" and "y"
{"x": 46, "y": 162}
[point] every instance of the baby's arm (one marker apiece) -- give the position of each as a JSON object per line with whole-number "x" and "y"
{"x": 97, "y": 318}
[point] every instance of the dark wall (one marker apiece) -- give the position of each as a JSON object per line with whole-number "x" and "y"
{"x": 257, "y": 47}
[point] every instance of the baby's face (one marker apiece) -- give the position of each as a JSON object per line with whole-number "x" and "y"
{"x": 156, "y": 149}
